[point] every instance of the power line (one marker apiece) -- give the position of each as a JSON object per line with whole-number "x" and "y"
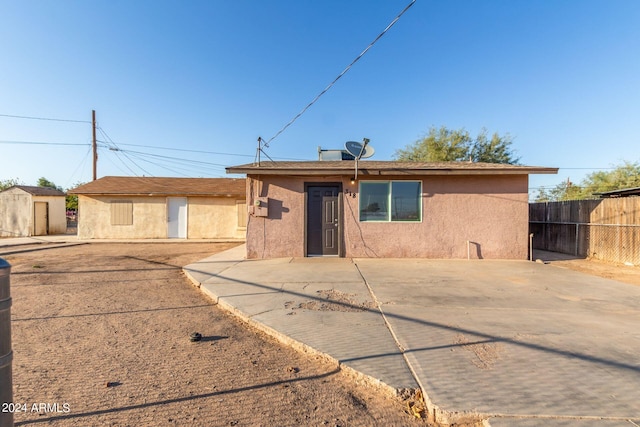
{"x": 172, "y": 164}
{"x": 173, "y": 169}
{"x": 174, "y": 161}
{"x": 112, "y": 143}
{"x": 196, "y": 151}
{"x": 187, "y": 163}
{"x": 266, "y": 144}
{"x": 134, "y": 163}
{"x": 108, "y": 144}
{"x": 117, "y": 149}
{"x": 117, "y": 154}
{"x": 172, "y": 158}
{"x": 118, "y": 165}
{"x": 80, "y": 165}
{"x": 41, "y": 143}
{"x": 185, "y": 150}
{"x": 102, "y": 131}
{"x": 44, "y": 118}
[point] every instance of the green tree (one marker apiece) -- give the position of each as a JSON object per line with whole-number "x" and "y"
{"x": 44, "y": 182}
{"x": 7, "y": 183}
{"x": 443, "y": 144}
{"x": 625, "y": 175}
{"x": 561, "y": 192}
{"x": 438, "y": 145}
{"x": 72, "y": 199}
{"x": 496, "y": 149}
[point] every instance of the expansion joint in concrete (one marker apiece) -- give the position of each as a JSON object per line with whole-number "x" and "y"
{"x": 431, "y": 408}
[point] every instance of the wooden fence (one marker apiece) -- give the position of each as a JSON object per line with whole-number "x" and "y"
{"x": 607, "y": 229}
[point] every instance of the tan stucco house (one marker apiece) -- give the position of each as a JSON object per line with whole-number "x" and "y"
{"x": 387, "y": 209}
{"x": 118, "y": 207}
{"x": 32, "y": 211}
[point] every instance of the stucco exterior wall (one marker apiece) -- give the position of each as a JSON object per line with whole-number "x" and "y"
{"x": 281, "y": 233}
{"x": 57, "y": 213}
{"x": 16, "y": 213}
{"x": 214, "y": 218}
{"x": 207, "y": 218}
{"x": 489, "y": 211}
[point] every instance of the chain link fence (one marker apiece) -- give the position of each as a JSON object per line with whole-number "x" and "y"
{"x": 619, "y": 243}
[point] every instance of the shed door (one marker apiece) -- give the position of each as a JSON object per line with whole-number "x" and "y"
{"x": 323, "y": 220}
{"x": 40, "y": 218}
{"x": 177, "y": 217}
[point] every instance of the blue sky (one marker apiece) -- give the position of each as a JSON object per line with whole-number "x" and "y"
{"x": 562, "y": 77}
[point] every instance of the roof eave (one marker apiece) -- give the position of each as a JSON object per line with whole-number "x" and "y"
{"x": 151, "y": 194}
{"x": 375, "y": 171}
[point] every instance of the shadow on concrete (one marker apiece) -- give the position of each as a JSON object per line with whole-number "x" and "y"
{"x": 481, "y": 335}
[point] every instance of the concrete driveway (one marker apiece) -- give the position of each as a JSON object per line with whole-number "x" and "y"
{"x": 509, "y": 342}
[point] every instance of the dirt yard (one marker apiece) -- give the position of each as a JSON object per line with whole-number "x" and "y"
{"x": 619, "y": 272}
{"x": 101, "y": 338}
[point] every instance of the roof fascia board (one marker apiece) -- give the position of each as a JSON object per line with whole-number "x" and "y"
{"x": 413, "y": 172}
{"x": 121, "y": 194}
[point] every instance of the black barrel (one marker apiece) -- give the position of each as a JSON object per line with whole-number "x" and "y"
{"x": 6, "y": 355}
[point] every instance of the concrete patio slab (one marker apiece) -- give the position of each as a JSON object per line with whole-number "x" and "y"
{"x": 515, "y": 342}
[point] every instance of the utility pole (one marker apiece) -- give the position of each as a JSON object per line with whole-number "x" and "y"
{"x": 94, "y": 145}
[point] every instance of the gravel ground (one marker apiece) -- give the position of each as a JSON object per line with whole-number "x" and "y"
{"x": 101, "y": 338}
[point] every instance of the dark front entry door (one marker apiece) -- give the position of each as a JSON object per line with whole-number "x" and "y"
{"x": 323, "y": 220}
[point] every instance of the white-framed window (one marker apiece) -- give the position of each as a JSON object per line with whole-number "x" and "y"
{"x": 390, "y": 201}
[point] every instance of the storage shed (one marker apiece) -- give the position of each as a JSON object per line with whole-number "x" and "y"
{"x": 32, "y": 211}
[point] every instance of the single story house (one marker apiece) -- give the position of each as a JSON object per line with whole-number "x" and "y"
{"x": 32, "y": 211}
{"x": 122, "y": 207}
{"x": 387, "y": 209}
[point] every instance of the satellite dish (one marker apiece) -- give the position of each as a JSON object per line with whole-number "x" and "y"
{"x": 367, "y": 152}
{"x": 353, "y": 147}
{"x": 356, "y": 149}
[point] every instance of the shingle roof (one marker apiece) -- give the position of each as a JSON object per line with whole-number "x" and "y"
{"x": 369, "y": 167}
{"x": 39, "y": 191}
{"x": 152, "y": 186}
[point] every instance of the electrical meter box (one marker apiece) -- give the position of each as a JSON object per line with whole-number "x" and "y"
{"x": 260, "y": 207}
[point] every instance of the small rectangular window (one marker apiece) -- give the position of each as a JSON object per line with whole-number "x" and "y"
{"x": 405, "y": 201}
{"x": 391, "y": 201}
{"x": 121, "y": 212}
{"x": 241, "y": 207}
{"x": 374, "y": 201}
